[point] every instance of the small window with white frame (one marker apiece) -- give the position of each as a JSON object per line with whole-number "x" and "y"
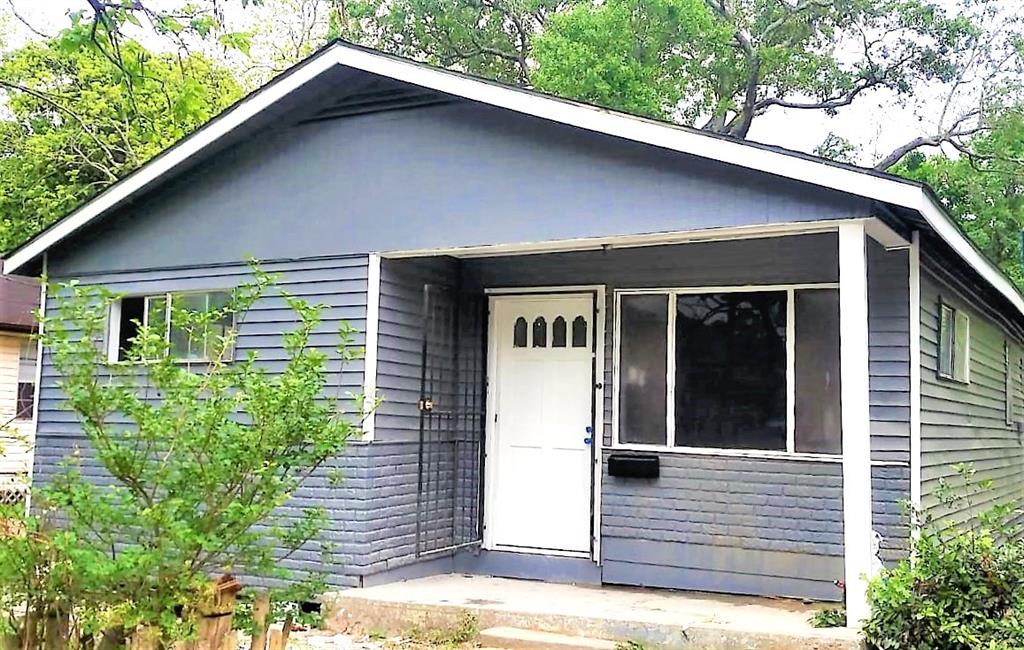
{"x": 129, "y": 313}
{"x": 752, "y": 368}
{"x": 27, "y": 360}
{"x": 954, "y": 346}
{"x": 1008, "y": 387}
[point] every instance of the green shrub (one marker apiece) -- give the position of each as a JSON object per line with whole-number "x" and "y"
{"x": 831, "y": 617}
{"x": 963, "y": 587}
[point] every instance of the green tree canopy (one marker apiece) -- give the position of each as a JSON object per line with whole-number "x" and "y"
{"x": 983, "y": 188}
{"x": 74, "y": 123}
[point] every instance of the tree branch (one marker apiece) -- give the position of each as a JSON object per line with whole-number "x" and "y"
{"x": 934, "y": 140}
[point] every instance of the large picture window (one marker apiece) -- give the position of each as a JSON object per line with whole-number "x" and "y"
{"x": 730, "y": 369}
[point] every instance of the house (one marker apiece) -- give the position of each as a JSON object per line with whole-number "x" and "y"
{"x": 19, "y": 298}
{"x": 610, "y": 350}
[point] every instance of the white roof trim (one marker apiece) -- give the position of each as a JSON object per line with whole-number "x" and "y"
{"x": 172, "y": 158}
{"x": 582, "y": 116}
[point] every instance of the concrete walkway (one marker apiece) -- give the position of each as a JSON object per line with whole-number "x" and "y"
{"x": 664, "y": 618}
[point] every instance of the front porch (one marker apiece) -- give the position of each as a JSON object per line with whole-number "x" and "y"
{"x": 667, "y": 619}
{"x": 692, "y": 416}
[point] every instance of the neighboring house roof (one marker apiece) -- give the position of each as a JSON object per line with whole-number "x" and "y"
{"x": 881, "y": 187}
{"x": 19, "y": 298}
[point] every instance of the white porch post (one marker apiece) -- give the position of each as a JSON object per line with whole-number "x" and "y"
{"x": 853, "y": 333}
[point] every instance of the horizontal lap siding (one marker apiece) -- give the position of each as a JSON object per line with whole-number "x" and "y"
{"x": 16, "y": 441}
{"x": 400, "y": 342}
{"x": 965, "y": 423}
{"x": 741, "y": 525}
{"x": 890, "y": 493}
{"x": 889, "y": 353}
{"x": 340, "y": 285}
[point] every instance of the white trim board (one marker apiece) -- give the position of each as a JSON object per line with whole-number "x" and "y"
{"x": 773, "y": 161}
{"x": 370, "y": 346}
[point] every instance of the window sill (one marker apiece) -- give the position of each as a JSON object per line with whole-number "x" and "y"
{"x": 758, "y": 454}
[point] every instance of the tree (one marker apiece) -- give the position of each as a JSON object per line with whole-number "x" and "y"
{"x": 77, "y": 123}
{"x": 199, "y": 458}
{"x": 982, "y": 187}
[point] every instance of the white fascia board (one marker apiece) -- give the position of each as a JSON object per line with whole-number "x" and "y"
{"x": 151, "y": 172}
{"x": 948, "y": 231}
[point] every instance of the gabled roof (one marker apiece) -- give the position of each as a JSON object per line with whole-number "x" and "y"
{"x": 884, "y": 188}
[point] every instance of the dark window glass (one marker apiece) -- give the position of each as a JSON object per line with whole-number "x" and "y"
{"x": 519, "y": 333}
{"x": 818, "y": 427}
{"x": 26, "y": 400}
{"x": 643, "y": 359}
{"x": 540, "y": 332}
{"x": 558, "y": 333}
{"x": 731, "y": 370}
{"x": 579, "y": 332}
{"x": 132, "y": 314}
{"x": 947, "y": 336}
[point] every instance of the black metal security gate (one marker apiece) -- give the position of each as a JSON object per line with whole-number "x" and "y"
{"x": 449, "y": 504}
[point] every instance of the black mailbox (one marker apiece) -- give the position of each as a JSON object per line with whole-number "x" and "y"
{"x": 634, "y": 465}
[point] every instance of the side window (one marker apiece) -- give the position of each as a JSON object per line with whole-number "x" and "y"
{"x": 26, "y": 380}
{"x": 954, "y": 346}
{"x": 128, "y": 314}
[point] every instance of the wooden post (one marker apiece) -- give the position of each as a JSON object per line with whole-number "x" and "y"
{"x": 260, "y": 613}
{"x": 286, "y": 631}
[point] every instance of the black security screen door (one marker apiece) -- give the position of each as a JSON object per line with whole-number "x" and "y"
{"x": 452, "y": 387}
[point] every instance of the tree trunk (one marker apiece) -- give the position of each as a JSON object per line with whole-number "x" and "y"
{"x": 112, "y": 639}
{"x": 58, "y": 629}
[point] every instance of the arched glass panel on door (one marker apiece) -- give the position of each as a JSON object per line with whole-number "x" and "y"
{"x": 540, "y": 332}
{"x": 519, "y": 333}
{"x": 558, "y": 333}
{"x": 579, "y": 332}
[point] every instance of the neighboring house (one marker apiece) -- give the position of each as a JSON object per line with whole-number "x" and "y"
{"x": 610, "y": 350}
{"x": 19, "y": 298}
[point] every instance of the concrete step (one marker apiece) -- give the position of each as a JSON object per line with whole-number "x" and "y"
{"x": 514, "y": 638}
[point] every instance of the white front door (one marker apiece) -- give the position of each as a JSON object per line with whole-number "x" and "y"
{"x": 539, "y": 461}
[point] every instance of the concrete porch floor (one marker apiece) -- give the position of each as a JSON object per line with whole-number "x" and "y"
{"x": 668, "y": 619}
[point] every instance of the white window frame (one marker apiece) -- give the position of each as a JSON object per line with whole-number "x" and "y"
{"x": 959, "y": 318}
{"x": 671, "y": 292}
{"x": 26, "y": 343}
{"x": 114, "y": 320}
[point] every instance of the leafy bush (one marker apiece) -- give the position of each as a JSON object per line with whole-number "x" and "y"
{"x": 831, "y": 617}
{"x": 962, "y": 588}
{"x": 199, "y": 458}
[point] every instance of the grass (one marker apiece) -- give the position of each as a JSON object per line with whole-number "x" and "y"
{"x": 450, "y": 638}
{"x": 630, "y": 644}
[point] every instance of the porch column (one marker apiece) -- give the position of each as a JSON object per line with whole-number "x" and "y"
{"x": 853, "y": 336}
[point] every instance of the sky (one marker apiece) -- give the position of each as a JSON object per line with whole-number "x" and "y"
{"x": 876, "y": 123}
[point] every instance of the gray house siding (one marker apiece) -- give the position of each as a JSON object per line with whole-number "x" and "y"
{"x": 441, "y": 176}
{"x": 889, "y": 353}
{"x": 965, "y": 423}
{"x": 354, "y": 513}
{"x": 737, "y": 525}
